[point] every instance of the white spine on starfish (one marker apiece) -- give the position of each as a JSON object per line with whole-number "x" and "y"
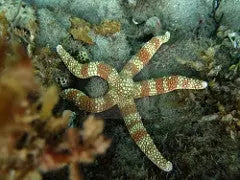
{"x": 162, "y": 85}
{"x": 95, "y": 105}
{"x": 69, "y": 61}
{"x": 93, "y": 69}
{"x": 140, "y": 136}
{"x": 137, "y": 62}
{"x": 190, "y": 83}
{"x": 152, "y": 87}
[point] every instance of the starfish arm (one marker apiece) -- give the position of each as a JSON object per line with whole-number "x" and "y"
{"x": 163, "y": 85}
{"x": 90, "y": 104}
{"x": 140, "y": 136}
{"x": 88, "y": 70}
{"x": 137, "y": 62}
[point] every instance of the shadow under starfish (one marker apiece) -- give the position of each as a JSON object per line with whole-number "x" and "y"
{"x": 123, "y": 90}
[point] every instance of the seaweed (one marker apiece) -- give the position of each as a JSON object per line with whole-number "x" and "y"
{"x": 33, "y": 138}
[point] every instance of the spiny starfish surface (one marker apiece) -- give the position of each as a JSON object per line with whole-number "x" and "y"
{"x": 123, "y": 90}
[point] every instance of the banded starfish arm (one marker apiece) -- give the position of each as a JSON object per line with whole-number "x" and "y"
{"x": 137, "y": 62}
{"x": 163, "y": 85}
{"x": 90, "y": 104}
{"x": 88, "y": 70}
{"x": 140, "y": 136}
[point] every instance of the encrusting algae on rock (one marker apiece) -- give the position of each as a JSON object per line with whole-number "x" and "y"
{"x": 81, "y": 29}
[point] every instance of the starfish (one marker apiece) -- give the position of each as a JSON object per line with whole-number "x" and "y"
{"x": 123, "y": 91}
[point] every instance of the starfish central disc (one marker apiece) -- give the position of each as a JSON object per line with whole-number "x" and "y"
{"x": 127, "y": 88}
